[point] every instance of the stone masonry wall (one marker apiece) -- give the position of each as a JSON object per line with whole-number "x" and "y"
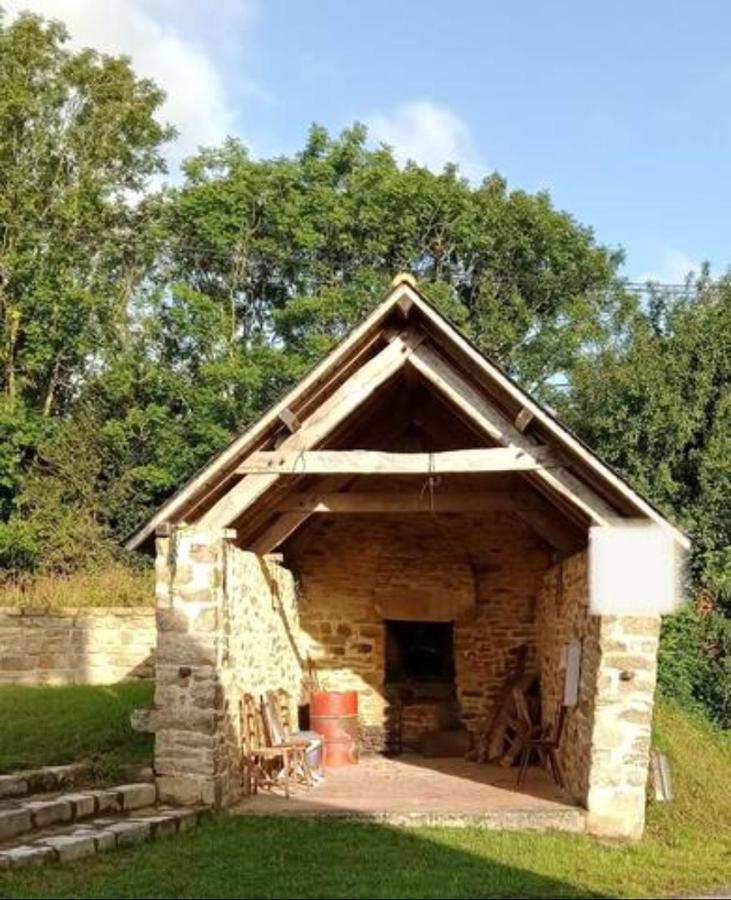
{"x": 482, "y": 572}
{"x": 224, "y": 621}
{"x": 622, "y": 727}
{"x": 76, "y": 646}
{"x": 563, "y": 616}
{"x": 606, "y": 744}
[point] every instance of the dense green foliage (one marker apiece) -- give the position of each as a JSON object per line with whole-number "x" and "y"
{"x": 289, "y": 857}
{"x": 656, "y": 400}
{"x": 143, "y": 326}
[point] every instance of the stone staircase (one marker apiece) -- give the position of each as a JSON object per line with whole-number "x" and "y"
{"x": 46, "y": 815}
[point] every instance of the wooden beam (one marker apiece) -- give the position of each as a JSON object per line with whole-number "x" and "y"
{"x": 550, "y": 525}
{"x": 290, "y": 420}
{"x": 492, "y": 422}
{"x": 353, "y": 503}
{"x": 322, "y": 421}
{"x": 523, "y": 419}
{"x": 286, "y": 524}
{"x": 379, "y": 462}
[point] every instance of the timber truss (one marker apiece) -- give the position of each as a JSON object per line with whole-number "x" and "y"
{"x": 404, "y": 417}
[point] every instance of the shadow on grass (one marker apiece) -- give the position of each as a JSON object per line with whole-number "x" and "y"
{"x": 280, "y": 857}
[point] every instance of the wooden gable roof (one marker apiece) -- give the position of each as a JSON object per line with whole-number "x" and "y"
{"x": 404, "y": 330}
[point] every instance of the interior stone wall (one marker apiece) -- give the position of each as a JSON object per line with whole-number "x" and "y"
{"x": 85, "y": 645}
{"x": 482, "y": 572}
{"x": 563, "y": 616}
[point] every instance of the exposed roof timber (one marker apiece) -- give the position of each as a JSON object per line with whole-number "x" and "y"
{"x": 474, "y": 404}
{"x": 379, "y": 462}
{"x": 286, "y": 524}
{"x": 360, "y": 339}
{"x": 399, "y": 502}
{"x": 321, "y": 422}
{"x": 523, "y": 419}
{"x": 207, "y": 486}
{"x": 541, "y": 415}
{"x": 563, "y": 537}
{"x": 290, "y": 420}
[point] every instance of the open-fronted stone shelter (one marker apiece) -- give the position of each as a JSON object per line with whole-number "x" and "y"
{"x": 409, "y": 523}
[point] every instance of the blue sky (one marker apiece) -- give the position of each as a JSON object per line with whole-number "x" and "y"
{"x": 622, "y": 111}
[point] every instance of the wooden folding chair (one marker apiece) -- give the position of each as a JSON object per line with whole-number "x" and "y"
{"x": 276, "y": 715}
{"x": 265, "y": 765}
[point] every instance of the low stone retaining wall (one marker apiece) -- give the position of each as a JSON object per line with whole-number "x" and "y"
{"x": 94, "y": 645}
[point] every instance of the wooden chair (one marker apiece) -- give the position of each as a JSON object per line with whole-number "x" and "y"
{"x": 545, "y": 747}
{"x": 277, "y": 723}
{"x": 265, "y": 765}
{"x": 545, "y": 744}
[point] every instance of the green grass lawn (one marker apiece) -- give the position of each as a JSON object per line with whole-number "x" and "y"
{"x": 54, "y": 725}
{"x": 687, "y": 847}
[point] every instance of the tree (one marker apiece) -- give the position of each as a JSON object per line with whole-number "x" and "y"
{"x": 297, "y": 249}
{"x": 656, "y": 403}
{"x": 78, "y": 142}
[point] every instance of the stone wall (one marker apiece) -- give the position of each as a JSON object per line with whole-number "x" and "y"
{"x": 563, "y": 616}
{"x": 226, "y": 621}
{"x": 100, "y": 645}
{"x": 626, "y": 671}
{"x": 606, "y": 744}
{"x": 482, "y": 572}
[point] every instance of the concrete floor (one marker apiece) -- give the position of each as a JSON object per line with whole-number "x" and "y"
{"x": 408, "y": 789}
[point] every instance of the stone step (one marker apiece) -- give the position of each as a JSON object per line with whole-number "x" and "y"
{"x": 70, "y": 842}
{"x": 44, "y": 779}
{"x": 26, "y": 815}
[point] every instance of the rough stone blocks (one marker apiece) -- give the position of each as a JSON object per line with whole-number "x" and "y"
{"x": 49, "y": 812}
{"x": 71, "y": 846}
{"x": 28, "y": 855}
{"x": 137, "y": 796}
{"x": 14, "y": 822}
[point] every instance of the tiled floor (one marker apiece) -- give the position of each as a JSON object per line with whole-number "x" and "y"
{"x": 429, "y": 791}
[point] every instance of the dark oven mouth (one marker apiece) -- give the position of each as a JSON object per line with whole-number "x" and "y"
{"x": 419, "y": 652}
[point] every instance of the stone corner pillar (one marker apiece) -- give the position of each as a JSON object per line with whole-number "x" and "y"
{"x": 622, "y": 721}
{"x": 190, "y": 718}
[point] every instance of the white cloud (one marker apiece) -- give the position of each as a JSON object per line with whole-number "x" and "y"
{"x": 670, "y": 266}
{"x": 428, "y": 134}
{"x": 176, "y": 44}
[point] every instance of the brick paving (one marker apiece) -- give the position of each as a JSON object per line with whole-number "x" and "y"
{"x": 415, "y": 790}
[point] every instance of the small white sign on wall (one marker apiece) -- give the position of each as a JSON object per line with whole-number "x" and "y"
{"x": 634, "y": 569}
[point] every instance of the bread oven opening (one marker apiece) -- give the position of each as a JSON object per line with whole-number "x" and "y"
{"x": 421, "y": 652}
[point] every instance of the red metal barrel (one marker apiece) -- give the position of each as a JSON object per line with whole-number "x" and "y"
{"x": 334, "y": 715}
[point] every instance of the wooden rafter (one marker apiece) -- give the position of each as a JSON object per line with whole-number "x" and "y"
{"x": 317, "y": 426}
{"x": 476, "y": 406}
{"x": 286, "y": 524}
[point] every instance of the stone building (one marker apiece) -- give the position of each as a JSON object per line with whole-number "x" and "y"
{"x": 409, "y": 523}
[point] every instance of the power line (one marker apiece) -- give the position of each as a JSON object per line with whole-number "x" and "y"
{"x": 221, "y": 254}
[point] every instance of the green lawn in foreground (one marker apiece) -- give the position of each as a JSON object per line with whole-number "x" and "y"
{"x": 688, "y": 846}
{"x": 54, "y": 725}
